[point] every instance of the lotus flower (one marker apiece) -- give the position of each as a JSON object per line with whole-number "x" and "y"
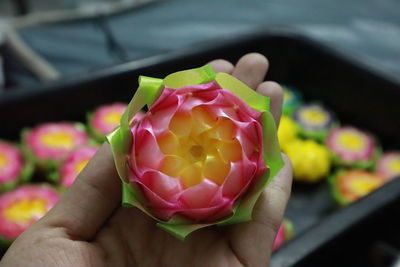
{"x": 311, "y": 161}
{"x": 13, "y": 167}
{"x": 75, "y": 163}
{"x": 315, "y": 121}
{"x": 23, "y": 206}
{"x": 348, "y": 186}
{"x": 353, "y": 147}
{"x": 51, "y": 142}
{"x": 106, "y": 118}
{"x": 388, "y": 165}
{"x": 198, "y": 156}
{"x": 285, "y": 232}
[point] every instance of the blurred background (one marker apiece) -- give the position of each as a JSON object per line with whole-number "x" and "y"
{"x": 71, "y": 37}
{"x": 339, "y": 62}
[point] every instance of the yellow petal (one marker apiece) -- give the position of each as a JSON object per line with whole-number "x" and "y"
{"x": 172, "y": 165}
{"x": 168, "y": 143}
{"x": 204, "y": 120}
{"x": 225, "y": 129}
{"x": 181, "y": 124}
{"x": 215, "y": 169}
{"x": 230, "y": 151}
{"x": 191, "y": 175}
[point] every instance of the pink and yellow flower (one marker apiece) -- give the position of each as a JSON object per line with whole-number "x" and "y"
{"x": 11, "y": 165}
{"x": 352, "y": 147}
{"x": 349, "y": 186}
{"x": 53, "y": 141}
{"x": 196, "y": 152}
{"x": 75, "y": 163}
{"x": 388, "y": 165}
{"x": 200, "y": 155}
{"x": 23, "y": 206}
{"x": 106, "y": 118}
{"x": 285, "y": 232}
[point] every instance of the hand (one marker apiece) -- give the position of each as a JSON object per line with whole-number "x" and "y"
{"x": 88, "y": 227}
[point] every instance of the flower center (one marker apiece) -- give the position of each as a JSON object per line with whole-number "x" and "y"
{"x": 351, "y": 141}
{"x": 58, "y": 140}
{"x": 3, "y": 160}
{"x": 196, "y": 151}
{"x": 199, "y": 146}
{"x": 364, "y": 185}
{"x": 113, "y": 117}
{"x": 80, "y": 165}
{"x": 22, "y": 211}
{"x": 314, "y": 116}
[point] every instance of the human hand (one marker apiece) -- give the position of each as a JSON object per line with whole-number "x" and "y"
{"x": 88, "y": 227}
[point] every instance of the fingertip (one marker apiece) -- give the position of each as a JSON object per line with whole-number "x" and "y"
{"x": 254, "y": 61}
{"x": 221, "y": 65}
{"x": 251, "y": 69}
{"x": 275, "y": 92}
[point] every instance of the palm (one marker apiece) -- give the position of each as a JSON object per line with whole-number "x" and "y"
{"x": 89, "y": 228}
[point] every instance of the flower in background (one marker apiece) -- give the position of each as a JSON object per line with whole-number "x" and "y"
{"x": 315, "y": 121}
{"x": 348, "y": 186}
{"x": 291, "y": 100}
{"x": 74, "y": 164}
{"x": 388, "y": 166}
{"x": 52, "y": 142}
{"x": 287, "y": 132}
{"x": 353, "y": 147}
{"x": 311, "y": 161}
{"x": 106, "y": 118}
{"x": 13, "y": 167}
{"x": 284, "y": 234}
{"x": 23, "y": 206}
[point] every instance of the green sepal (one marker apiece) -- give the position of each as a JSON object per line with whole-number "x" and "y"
{"x": 337, "y": 196}
{"x": 240, "y": 89}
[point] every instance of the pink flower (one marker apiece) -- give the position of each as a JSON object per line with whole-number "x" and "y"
{"x": 23, "y": 206}
{"x": 75, "y": 163}
{"x": 11, "y": 163}
{"x": 280, "y": 238}
{"x": 55, "y": 140}
{"x": 351, "y": 144}
{"x": 197, "y": 150}
{"x": 388, "y": 165}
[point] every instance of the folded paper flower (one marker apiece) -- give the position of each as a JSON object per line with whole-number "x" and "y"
{"x": 74, "y": 164}
{"x": 23, "y": 206}
{"x": 315, "y": 121}
{"x": 311, "y": 161}
{"x": 349, "y": 186}
{"x": 287, "y": 132}
{"x": 48, "y": 144}
{"x": 105, "y": 119}
{"x": 291, "y": 100}
{"x": 388, "y": 166}
{"x": 13, "y": 167}
{"x": 201, "y": 155}
{"x": 353, "y": 148}
{"x": 284, "y": 234}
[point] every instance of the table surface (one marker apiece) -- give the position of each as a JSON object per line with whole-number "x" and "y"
{"x": 368, "y": 31}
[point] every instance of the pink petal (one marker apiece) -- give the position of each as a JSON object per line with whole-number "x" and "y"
{"x": 147, "y": 152}
{"x": 163, "y": 185}
{"x": 199, "y": 196}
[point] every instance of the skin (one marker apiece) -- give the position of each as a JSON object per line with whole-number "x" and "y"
{"x": 88, "y": 227}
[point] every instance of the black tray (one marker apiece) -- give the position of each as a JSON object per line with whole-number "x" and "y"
{"x": 357, "y": 95}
